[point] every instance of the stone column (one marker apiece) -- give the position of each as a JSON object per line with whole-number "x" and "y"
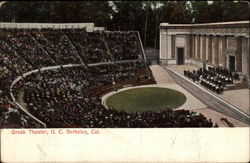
{"x": 189, "y": 46}
{"x": 163, "y": 44}
{"x": 239, "y": 55}
{"x": 222, "y": 51}
{"x": 198, "y": 48}
{"x": 206, "y": 39}
{"x": 224, "y": 47}
{"x": 215, "y": 50}
{"x": 173, "y": 47}
{"x": 169, "y": 47}
{"x": 245, "y": 57}
{"x": 203, "y": 48}
{"x": 210, "y": 49}
{"x": 193, "y": 47}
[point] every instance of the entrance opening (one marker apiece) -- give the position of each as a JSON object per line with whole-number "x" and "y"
{"x": 180, "y": 54}
{"x": 231, "y": 63}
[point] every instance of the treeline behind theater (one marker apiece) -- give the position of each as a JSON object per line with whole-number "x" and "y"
{"x": 142, "y": 16}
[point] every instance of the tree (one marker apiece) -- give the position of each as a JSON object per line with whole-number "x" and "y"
{"x": 179, "y": 12}
{"x": 219, "y": 11}
{"x": 142, "y": 16}
{"x": 128, "y": 15}
{"x": 156, "y": 23}
{"x": 199, "y": 11}
{"x": 147, "y": 7}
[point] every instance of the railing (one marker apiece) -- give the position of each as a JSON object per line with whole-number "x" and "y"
{"x": 89, "y": 26}
{"x": 142, "y": 49}
{"x": 46, "y": 25}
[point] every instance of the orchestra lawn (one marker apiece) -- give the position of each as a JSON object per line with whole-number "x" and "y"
{"x": 146, "y": 99}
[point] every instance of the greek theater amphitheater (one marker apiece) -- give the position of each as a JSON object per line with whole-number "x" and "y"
{"x": 81, "y": 76}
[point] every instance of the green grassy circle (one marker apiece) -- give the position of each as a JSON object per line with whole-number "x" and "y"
{"x": 146, "y": 99}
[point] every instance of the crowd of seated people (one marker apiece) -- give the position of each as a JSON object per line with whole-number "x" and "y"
{"x": 57, "y": 51}
{"x": 91, "y": 46}
{"x": 12, "y": 117}
{"x": 60, "y": 98}
{"x": 214, "y": 79}
{"x": 225, "y": 74}
{"x": 12, "y": 65}
{"x": 47, "y": 47}
{"x": 63, "y": 46}
{"x": 118, "y": 41}
{"x": 27, "y": 47}
{"x": 23, "y": 50}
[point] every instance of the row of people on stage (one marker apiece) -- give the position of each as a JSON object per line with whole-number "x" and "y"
{"x": 223, "y": 73}
{"x": 215, "y": 79}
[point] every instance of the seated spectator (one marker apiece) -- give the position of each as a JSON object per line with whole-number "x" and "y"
{"x": 215, "y": 79}
{"x": 70, "y": 97}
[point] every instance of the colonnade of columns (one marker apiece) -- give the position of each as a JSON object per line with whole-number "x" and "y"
{"x": 212, "y": 48}
{"x": 223, "y": 44}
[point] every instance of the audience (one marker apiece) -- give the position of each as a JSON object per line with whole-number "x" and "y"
{"x": 214, "y": 79}
{"x": 60, "y": 98}
{"x": 66, "y": 97}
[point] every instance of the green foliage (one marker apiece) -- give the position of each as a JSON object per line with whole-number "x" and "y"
{"x": 219, "y": 11}
{"x": 142, "y": 16}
